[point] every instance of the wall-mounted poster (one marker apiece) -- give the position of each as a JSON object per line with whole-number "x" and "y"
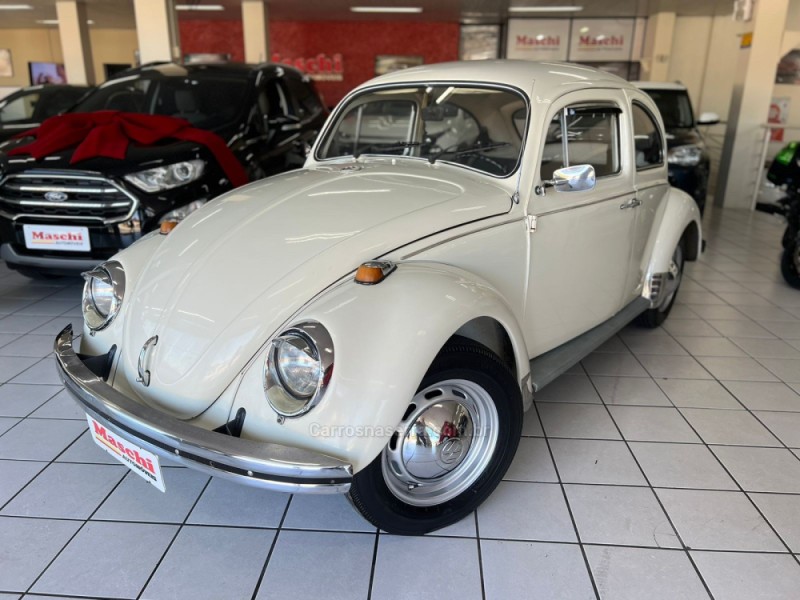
{"x": 601, "y": 40}
{"x": 778, "y": 115}
{"x": 538, "y": 39}
{"x": 47, "y": 72}
{"x": 6, "y": 68}
{"x": 479, "y": 42}
{"x": 389, "y": 63}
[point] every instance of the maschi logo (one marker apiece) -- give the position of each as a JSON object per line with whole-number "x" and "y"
{"x": 131, "y": 456}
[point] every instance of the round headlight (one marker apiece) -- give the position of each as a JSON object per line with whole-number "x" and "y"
{"x": 102, "y": 294}
{"x": 298, "y": 367}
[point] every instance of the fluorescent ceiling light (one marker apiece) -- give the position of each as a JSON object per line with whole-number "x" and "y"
{"x": 386, "y": 9}
{"x": 515, "y": 9}
{"x": 199, "y": 7}
{"x": 55, "y": 22}
{"x": 16, "y": 7}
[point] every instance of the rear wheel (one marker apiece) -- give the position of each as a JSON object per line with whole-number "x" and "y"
{"x": 453, "y": 446}
{"x": 790, "y": 264}
{"x": 654, "y": 317}
{"x": 789, "y": 236}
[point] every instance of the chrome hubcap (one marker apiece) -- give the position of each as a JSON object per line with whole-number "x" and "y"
{"x": 443, "y": 444}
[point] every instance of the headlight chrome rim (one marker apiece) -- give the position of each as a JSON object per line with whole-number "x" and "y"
{"x": 112, "y": 274}
{"x": 320, "y": 344}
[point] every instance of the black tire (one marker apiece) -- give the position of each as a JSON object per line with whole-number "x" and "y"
{"x": 790, "y": 264}
{"x": 654, "y": 317}
{"x": 789, "y": 236}
{"x": 461, "y": 359}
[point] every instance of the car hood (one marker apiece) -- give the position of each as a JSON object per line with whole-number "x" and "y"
{"x": 683, "y": 136}
{"x": 221, "y": 284}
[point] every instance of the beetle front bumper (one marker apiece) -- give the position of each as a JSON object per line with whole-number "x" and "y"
{"x": 259, "y": 464}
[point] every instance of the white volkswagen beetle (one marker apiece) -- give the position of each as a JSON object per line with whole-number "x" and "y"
{"x": 377, "y": 322}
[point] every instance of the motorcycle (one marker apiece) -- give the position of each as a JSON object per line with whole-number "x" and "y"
{"x": 785, "y": 172}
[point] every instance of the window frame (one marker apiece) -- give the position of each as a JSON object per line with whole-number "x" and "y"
{"x": 661, "y": 136}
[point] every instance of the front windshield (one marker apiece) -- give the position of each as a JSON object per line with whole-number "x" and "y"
{"x": 478, "y": 127}
{"x": 207, "y": 103}
{"x": 675, "y": 108}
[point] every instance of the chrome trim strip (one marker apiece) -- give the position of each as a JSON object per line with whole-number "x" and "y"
{"x": 592, "y": 203}
{"x": 99, "y": 205}
{"x": 68, "y": 190}
{"x": 455, "y": 237}
{"x": 260, "y": 464}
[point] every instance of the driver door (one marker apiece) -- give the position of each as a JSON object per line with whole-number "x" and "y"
{"x": 579, "y": 252}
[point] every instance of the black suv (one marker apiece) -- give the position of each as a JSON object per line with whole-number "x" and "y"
{"x": 60, "y": 219}
{"x": 687, "y": 158}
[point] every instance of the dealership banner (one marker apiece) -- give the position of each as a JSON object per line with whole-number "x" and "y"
{"x": 601, "y": 40}
{"x": 538, "y": 39}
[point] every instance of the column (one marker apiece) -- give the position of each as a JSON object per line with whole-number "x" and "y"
{"x": 76, "y": 48}
{"x": 254, "y": 26}
{"x": 157, "y": 30}
{"x": 658, "y": 46}
{"x": 752, "y": 94}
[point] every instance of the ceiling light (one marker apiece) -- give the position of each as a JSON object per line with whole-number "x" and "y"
{"x": 16, "y": 7}
{"x": 516, "y": 9}
{"x": 207, "y": 7}
{"x": 386, "y": 9}
{"x": 55, "y": 22}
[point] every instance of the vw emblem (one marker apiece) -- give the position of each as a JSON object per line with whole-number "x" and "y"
{"x": 55, "y": 196}
{"x": 451, "y": 451}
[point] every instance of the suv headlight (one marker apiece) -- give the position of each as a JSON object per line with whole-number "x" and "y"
{"x": 166, "y": 178}
{"x": 102, "y": 294}
{"x": 298, "y": 368}
{"x": 685, "y": 156}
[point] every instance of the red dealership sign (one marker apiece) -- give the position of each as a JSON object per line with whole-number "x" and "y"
{"x": 319, "y": 68}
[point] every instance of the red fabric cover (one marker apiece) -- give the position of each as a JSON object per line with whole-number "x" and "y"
{"x": 108, "y": 133}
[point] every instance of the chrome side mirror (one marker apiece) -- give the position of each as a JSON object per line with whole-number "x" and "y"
{"x": 577, "y": 178}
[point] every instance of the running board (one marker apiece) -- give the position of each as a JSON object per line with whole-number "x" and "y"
{"x": 548, "y": 366}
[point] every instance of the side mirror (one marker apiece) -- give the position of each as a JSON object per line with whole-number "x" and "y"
{"x": 708, "y": 118}
{"x": 577, "y": 178}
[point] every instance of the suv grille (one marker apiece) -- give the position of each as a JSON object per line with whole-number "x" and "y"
{"x": 64, "y": 197}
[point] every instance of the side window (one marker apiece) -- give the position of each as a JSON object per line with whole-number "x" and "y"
{"x": 646, "y": 138}
{"x": 19, "y": 109}
{"x": 273, "y": 101}
{"x": 592, "y": 134}
{"x": 305, "y": 99}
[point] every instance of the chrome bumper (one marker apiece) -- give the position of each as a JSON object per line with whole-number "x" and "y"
{"x": 259, "y": 464}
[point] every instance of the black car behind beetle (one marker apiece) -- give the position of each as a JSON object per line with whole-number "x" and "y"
{"x": 58, "y": 218}
{"x": 687, "y": 157}
{"x": 28, "y": 107}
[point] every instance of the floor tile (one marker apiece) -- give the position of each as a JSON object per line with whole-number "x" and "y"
{"x": 637, "y": 573}
{"x": 21, "y": 400}
{"x": 783, "y": 513}
{"x": 84, "y": 450}
{"x": 575, "y": 421}
{"x": 531, "y": 426}
{"x": 428, "y": 559}
{"x": 66, "y": 491}
{"x": 10, "y": 367}
{"x": 20, "y": 324}
{"x": 27, "y": 546}
{"x": 526, "y": 511}
{"x": 619, "y": 515}
{"x": 718, "y": 311}
{"x": 695, "y": 393}
{"x": 739, "y": 328}
{"x": 654, "y": 345}
{"x": 730, "y": 427}
{"x": 620, "y": 365}
{"x": 227, "y": 503}
{"x": 532, "y": 462}
{"x": 596, "y": 461}
{"x": 35, "y": 346}
{"x": 782, "y": 329}
{"x": 786, "y": 426}
{"x": 765, "y": 395}
{"x": 674, "y": 367}
{"x": 325, "y": 513}
{"x": 761, "y": 469}
{"x": 761, "y": 348}
{"x": 697, "y": 327}
{"x": 786, "y": 369}
{"x": 681, "y": 466}
{"x": 630, "y": 391}
{"x": 569, "y": 388}
{"x": 39, "y": 439}
{"x": 14, "y": 475}
{"x": 43, "y": 371}
{"x": 736, "y": 368}
{"x": 718, "y": 520}
{"x": 93, "y": 564}
{"x": 60, "y": 406}
{"x": 652, "y": 424}
{"x": 614, "y": 345}
{"x": 211, "y": 563}
{"x": 552, "y": 570}
{"x": 6, "y": 423}
{"x": 711, "y": 346}
{"x": 742, "y": 576}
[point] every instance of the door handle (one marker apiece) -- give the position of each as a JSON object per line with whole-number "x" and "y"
{"x": 632, "y": 203}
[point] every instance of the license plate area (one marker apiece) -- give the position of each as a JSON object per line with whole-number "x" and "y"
{"x": 142, "y": 462}
{"x": 61, "y": 238}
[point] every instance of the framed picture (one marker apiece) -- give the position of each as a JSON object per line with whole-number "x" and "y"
{"x": 6, "y": 68}
{"x": 479, "y": 42}
{"x": 386, "y": 63}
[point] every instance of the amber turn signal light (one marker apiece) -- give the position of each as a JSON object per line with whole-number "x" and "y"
{"x": 168, "y": 226}
{"x": 374, "y": 271}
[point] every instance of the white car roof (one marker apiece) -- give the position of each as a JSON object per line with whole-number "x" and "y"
{"x": 552, "y": 78}
{"x": 659, "y": 85}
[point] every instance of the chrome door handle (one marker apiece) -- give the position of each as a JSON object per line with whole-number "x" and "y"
{"x": 632, "y": 203}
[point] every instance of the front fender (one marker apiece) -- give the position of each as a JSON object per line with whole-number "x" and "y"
{"x": 680, "y": 215}
{"x": 385, "y": 337}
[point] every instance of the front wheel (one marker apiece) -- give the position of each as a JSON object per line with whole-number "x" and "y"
{"x": 654, "y": 317}
{"x": 453, "y": 446}
{"x": 790, "y": 264}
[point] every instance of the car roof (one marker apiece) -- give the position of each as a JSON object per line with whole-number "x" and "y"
{"x": 170, "y": 69}
{"x": 659, "y": 85}
{"x": 552, "y": 78}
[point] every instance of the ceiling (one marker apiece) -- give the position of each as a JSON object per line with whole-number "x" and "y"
{"x": 119, "y": 13}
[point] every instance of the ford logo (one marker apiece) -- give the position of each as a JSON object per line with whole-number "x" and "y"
{"x": 55, "y": 196}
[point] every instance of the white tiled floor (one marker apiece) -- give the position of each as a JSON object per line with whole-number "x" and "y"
{"x": 667, "y": 466}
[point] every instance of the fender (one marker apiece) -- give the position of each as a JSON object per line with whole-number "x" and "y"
{"x": 385, "y": 337}
{"x": 678, "y": 214}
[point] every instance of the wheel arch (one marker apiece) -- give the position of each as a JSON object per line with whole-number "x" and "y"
{"x": 680, "y": 217}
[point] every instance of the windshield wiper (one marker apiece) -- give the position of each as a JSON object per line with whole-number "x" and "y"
{"x": 383, "y": 146}
{"x": 477, "y": 148}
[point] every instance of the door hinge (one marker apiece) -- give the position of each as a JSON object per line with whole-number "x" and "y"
{"x": 531, "y": 223}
